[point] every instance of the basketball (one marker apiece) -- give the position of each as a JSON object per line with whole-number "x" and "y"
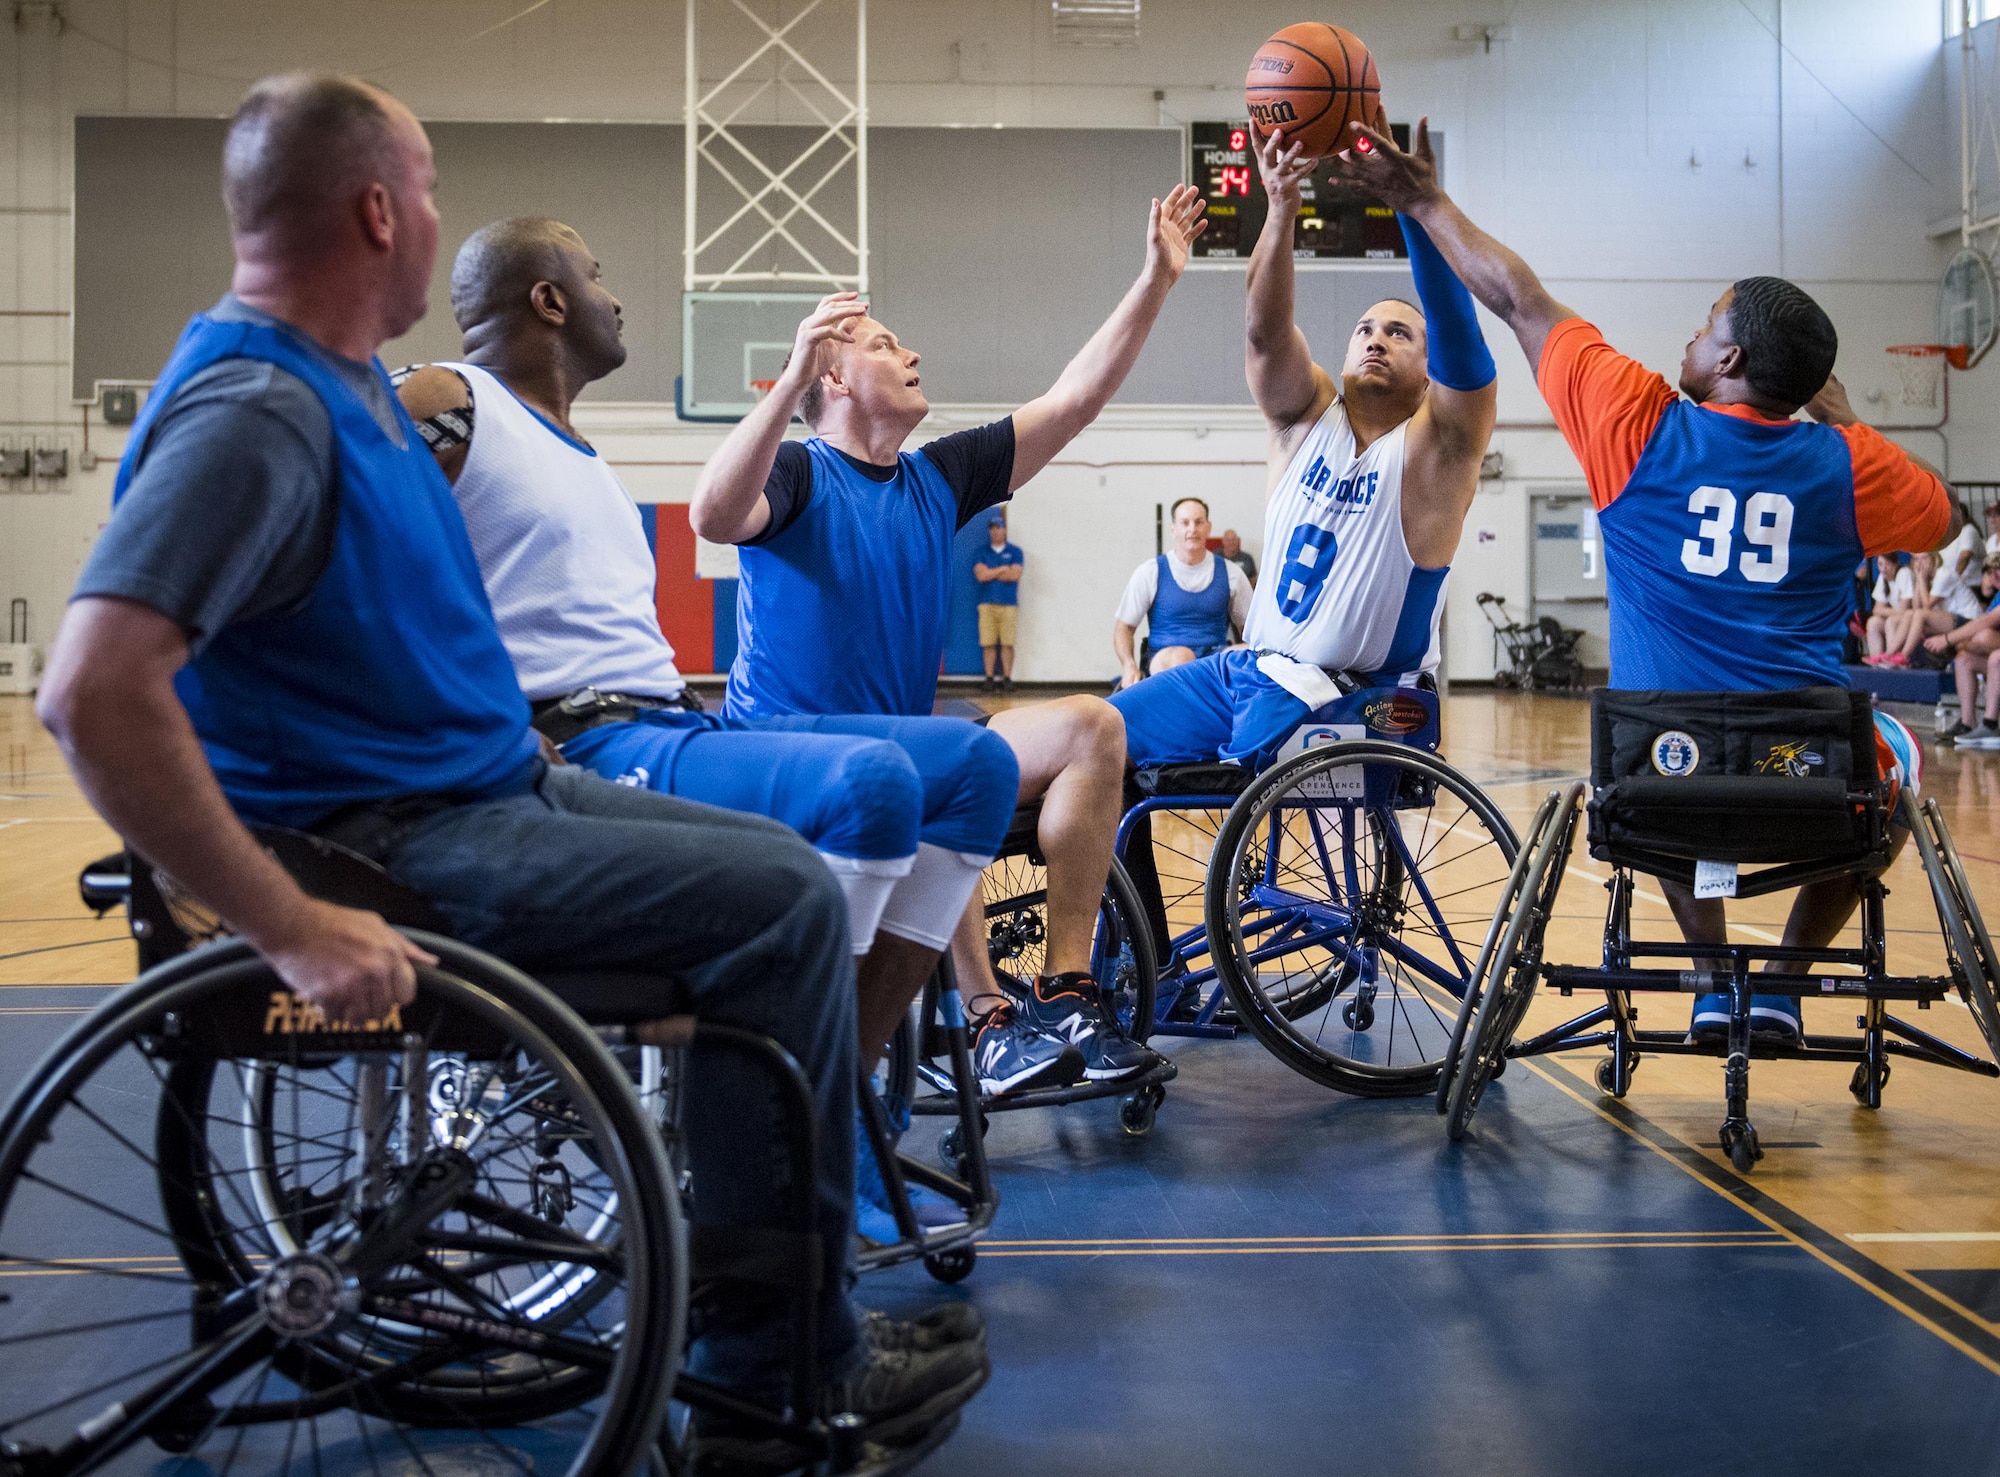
{"x": 1312, "y": 80}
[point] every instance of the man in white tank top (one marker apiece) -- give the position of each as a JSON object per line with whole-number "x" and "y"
{"x": 906, "y": 812}
{"x": 1370, "y": 480}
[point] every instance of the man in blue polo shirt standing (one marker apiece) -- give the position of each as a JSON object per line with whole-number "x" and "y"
{"x": 998, "y": 568}
{"x": 283, "y": 623}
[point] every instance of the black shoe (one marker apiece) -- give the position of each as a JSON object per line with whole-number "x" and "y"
{"x": 1006, "y": 684}
{"x": 934, "y": 1328}
{"x": 989, "y": 684}
{"x": 1953, "y": 732}
{"x": 1011, "y": 1055}
{"x": 1066, "y": 1007}
{"x": 901, "y": 1396}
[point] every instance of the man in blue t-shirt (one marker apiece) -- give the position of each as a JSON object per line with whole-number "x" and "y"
{"x": 846, "y": 579}
{"x": 998, "y": 567}
{"x": 283, "y": 622}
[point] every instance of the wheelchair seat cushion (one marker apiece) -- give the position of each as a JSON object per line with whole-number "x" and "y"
{"x": 1734, "y": 776}
{"x": 1194, "y": 779}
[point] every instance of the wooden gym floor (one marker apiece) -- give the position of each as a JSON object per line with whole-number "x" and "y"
{"x": 1283, "y": 1280}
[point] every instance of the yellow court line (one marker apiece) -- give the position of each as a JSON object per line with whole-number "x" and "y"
{"x": 1991, "y": 1365}
{"x": 1386, "y": 1236}
{"x": 1923, "y": 1235}
{"x": 1950, "y": 1302}
{"x": 1662, "y": 1245}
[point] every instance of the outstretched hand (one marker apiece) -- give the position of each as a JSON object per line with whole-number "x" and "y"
{"x": 1171, "y": 229}
{"x": 1283, "y": 166}
{"x": 832, "y": 322}
{"x": 1831, "y": 406}
{"x": 1400, "y": 179}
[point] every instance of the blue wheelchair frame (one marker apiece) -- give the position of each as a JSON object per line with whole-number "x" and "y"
{"x": 1407, "y": 715}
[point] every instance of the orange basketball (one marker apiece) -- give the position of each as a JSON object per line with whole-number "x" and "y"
{"x": 1312, "y": 80}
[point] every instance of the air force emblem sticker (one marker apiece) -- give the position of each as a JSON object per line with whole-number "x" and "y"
{"x": 1675, "y": 754}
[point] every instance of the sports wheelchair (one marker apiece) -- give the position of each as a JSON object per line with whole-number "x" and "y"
{"x": 349, "y": 1238}
{"x": 1347, "y": 884}
{"x": 1014, "y": 893}
{"x": 1794, "y": 793}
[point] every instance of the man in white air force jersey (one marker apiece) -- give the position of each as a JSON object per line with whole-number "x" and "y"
{"x": 1371, "y": 479}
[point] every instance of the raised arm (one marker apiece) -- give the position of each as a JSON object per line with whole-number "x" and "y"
{"x": 729, "y": 506}
{"x": 1288, "y": 387}
{"x": 108, "y": 697}
{"x": 1495, "y": 275}
{"x": 1045, "y": 425}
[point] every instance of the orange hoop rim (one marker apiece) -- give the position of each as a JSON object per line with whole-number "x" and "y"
{"x": 1955, "y": 355}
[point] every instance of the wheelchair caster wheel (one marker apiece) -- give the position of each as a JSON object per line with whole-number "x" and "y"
{"x": 1137, "y": 1110}
{"x": 1739, "y": 1142}
{"x": 1609, "y": 1082}
{"x": 1858, "y": 1084}
{"x": 1357, "y": 1015}
{"x": 951, "y": 1266}
{"x": 1499, "y": 1070}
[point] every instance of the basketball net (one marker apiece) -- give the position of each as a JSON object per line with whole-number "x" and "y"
{"x": 761, "y": 388}
{"x": 1921, "y": 368}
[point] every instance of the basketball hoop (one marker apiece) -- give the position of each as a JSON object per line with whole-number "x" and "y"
{"x": 1921, "y": 368}
{"x": 761, "y": 388}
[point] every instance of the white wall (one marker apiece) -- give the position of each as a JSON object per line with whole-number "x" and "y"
{"x": 1572, "y": 140}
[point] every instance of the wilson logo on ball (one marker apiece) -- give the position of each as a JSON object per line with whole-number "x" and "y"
{"x": 1270, "y": 115}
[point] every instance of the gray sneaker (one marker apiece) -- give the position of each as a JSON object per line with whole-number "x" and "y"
{"x": 1986, "y": 736}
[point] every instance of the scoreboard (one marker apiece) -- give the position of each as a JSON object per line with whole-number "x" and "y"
{"x": 1337, "y": 221}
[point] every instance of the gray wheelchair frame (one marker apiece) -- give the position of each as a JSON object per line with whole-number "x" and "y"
{"x": 1851, "y": 838}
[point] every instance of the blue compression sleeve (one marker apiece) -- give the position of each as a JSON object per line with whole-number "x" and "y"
{"x": 1459, "y": 358}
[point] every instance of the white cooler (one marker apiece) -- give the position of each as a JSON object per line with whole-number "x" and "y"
{"x": 20, "y": 668}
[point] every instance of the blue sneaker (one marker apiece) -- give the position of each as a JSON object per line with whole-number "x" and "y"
{"x": 872, "y": 1216}
{"x": 1711, "y": 1018}
{"x": 1777, "y": 1017}
{"x": 1011, "y": 1055}
{"x": 1065, "y": 1007}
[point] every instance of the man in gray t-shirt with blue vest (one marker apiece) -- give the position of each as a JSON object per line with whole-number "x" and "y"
{"x": 283, "y": 623}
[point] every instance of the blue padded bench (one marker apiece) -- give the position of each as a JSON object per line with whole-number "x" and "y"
{"x": 1901, "y": 684}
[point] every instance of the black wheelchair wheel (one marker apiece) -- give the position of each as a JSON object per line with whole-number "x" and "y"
{"x": 253, "y": 1233}
{"x": 1510, "y": 896}
{"x": 1976, "y": 966}
{"x": 1513, "y": 967}
{"x": 1349, "y": 891}
{"x": 1015, "y": 893}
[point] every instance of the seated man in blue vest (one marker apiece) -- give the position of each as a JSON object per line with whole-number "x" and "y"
{"x": 1190, "y": 600}
{"x": 283, "y": 625}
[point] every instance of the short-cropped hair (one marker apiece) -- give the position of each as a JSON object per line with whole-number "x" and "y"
{"x": 1787, "y": 340}
{"x": 299, "y": 148}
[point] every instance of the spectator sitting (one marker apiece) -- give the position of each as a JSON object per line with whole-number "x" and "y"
{"x": 1943, "y": 601}
{"x": 1964, "y": 554}
{"x": 1189, "y": 615}
{"x": 998, "y": 568}
{"x": 1992, "y": 534}
{"x": 1975, "y": 646}
{"x": 1234, "y": 552}
{"x": 1895, "y": 591}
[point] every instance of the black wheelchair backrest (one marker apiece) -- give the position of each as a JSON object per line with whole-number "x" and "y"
{"x": 1733, "y": 776}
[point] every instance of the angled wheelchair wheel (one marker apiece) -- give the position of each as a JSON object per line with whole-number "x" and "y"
{"x": 1349, "y": 893}
{"x": 1517, "y": 880}
{"x": 1015, "y": 891}
{"x": 255, "y": 1233}
{"x": 1975, "y": 964}
{"x": 1513, "y": 968}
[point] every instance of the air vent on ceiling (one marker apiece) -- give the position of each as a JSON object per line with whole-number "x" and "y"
{"x": 1095, "y": 22}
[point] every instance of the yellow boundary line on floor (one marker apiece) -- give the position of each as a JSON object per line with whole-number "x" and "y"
{"x": 1986, "y": 1362}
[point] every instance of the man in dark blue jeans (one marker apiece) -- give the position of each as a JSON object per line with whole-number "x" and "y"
{"x": 283, "y": 624}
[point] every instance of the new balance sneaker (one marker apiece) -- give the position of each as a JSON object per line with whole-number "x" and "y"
{"x": 1011, "y": 1054}
{"x": 1776, "y": 1016}
{"x": 1711, "y": 1018}
{"x": 872, "y": 1216}
{"x": 1065, "y": 1006}
{"x": 1986, "y": 736}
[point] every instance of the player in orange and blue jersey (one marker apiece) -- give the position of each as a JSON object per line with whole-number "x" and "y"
{"x": 1731, "y": 530}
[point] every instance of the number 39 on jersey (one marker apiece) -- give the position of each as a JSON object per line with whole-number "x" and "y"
{"x": 1766, "y": 528}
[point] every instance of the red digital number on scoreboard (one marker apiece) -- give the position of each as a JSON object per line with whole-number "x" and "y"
{"x": 1234, "y": 179}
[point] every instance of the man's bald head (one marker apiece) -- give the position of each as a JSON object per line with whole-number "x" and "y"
{"x": 500, "y": 264}
{"x": 300, "y": 149}
{"x": 527, "y": 292}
